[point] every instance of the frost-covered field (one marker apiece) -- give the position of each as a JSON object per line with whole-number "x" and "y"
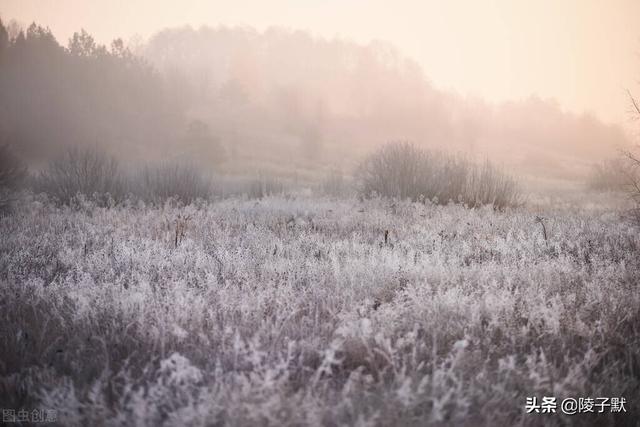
{"x": 294, "y": 311}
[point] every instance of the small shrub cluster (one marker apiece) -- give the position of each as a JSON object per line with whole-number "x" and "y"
{"x": 609, "y": 175}
{"x": 619, "y": 174}
{"x": 404, "y": 171}
{"x": 87, "y": 172}
{"x": 12, "y": 171}
{"x": 100, "y": 178}
{"x": 633, "y": 182}
{"x": 181, "y": 181}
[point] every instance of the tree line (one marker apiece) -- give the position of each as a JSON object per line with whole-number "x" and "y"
{"x": 84, "y": 94}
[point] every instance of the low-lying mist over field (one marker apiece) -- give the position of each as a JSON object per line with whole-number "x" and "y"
{"x": 319, "y": 213}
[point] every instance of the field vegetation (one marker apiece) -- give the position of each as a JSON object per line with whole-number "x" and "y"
{"x": 295, "y": 310}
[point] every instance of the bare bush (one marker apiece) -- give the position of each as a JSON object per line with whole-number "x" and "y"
{"x": 99, "y": 178}
{"x": 402, "y": 170}
{"x": 633, "y": 183}
{"x": 12, "y": 171}
{"x": 83, "y": 171}
{"x": 609, "y": 175}
{"x": 394, "y": 171}
{"x": 633, "y": 173}
{"x": 180, "y": 181}
{"x": 488, "y": 185}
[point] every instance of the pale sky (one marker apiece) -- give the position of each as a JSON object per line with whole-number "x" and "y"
{"x": 584, "y": 53}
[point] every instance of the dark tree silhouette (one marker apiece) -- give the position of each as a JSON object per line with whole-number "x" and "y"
{"x": 84, "y": 94}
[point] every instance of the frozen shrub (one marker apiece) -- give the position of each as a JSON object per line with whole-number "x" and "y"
{"x": 396, "y": 170}
{"x": 608, "y": 175}
{"x": 633, "y": 171}
{"x": 83, "y": 171}
{"x": 487, "y": 185}
{"x": 181, "y": 181}
{"x": 12, "y": 171}
{"x": 632, "y": 183}
{"x": 402, "y": 170}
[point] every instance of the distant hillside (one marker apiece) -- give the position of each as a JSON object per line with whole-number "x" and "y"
{"x": 277, "y": 101}
{"x": 281, "y": 95}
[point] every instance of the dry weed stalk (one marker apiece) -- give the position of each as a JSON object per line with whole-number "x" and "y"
{"x": 181, "y": 227}
{"x": 541, "y": 220}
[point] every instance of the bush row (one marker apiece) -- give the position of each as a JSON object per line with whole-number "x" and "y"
{"x": 397, "y": 170}
{"x": 102, "y": 179}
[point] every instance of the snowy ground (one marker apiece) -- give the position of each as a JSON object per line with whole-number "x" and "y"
{"x": 294, "y": 311}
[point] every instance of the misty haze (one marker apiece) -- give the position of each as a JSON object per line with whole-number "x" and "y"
{"x": 319, "y": 213}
